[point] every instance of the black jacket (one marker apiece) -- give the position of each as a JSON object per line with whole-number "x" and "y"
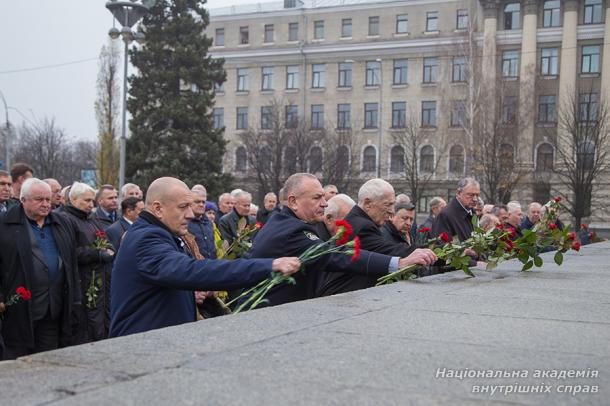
{"x": 103, "y": 218}
{"x": 263, "y": 214}
{"x": 454, "y": 220}
{"x": 286, "y": 235}
{"x": 115, "y": 232}
{"x": 393, "y": 236}
{"x": 16, "y": 266}
{"x": 372, "y": 240}
{"x": 228, "y": 225}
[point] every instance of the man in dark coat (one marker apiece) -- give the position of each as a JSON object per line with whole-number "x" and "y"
{"x": 268, "y": 209}
{"x": 5, "y": 192}
{"x": 515, "y": 217}
{"x": 154, "y": 274}
{"x": 130, "y": 211}
{"x": 107, "y": 201}
{"x": 37, "y": 252}
{"x": 293, "y": 230}
{"x": 436, "y": 205}
{"x": 337, "y": 208}
{"x": 376, "y": 200}
{"x": 456, "y": 218}
{"x": 201, "y": 227}
{"x": 229, "y": 222}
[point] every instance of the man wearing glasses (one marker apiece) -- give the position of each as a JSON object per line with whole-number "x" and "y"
{"x": 456, "y": 218}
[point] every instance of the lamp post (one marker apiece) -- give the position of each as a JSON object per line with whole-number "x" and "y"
{"x": 7, "y": 138}
{"x": 127, "y": 13}
{"x": 380, "y": 140}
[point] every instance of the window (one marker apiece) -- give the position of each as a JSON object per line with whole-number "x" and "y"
{"x": 459, "y": 69}
{"x": 458, "y": 113}
{"x": 218, "y": 115}
{"x": 512, "y": 16}
{"x": 373, "y": 25}
{"x": 397, "y": 159}
{"x": 542, "y": 192}
{"x": 293, "y": 31}
{"x": 402, "y": 24}
{"x": 346, "y": 28}
{"x": 462, "y": 20}
{"x": 315, "y": 160}
{"x": 506, "y": 157}
{"x": 593, "y": 11}
{"x": 369, "y": 159}
{"x": 267, "y": 78}
{"x": 243, "y": 84}
{"x": 588, "y": 107}
{"x": 548, "y": 61}
{"x": 370, "y": 115}
{"x": 428, "y": 114}
{"x": 268, "y": 38}
{"x": 219, "y": 38}
{"x": 266, "y": 117}
{"x": 590, "y": 59}
{"x": 509, "y": 107}
{"x": 244, "y": 35}
{"x": 432, "y": 21}
{"x": 372, "y": 73}
{"x": 342, "y": 160}
{"x": 318, "y": 29}
{"x": 292, "y": 116}
{"x": 343, "y": 115}
{"x": 399, "y": 114}
{"x": 430, "y": 70}
{"x": 290, "y": 160}
{"x": 546, "y": 109}
{"x": 345, "y": 74}
{"x": 510, "y": 64}
{"x": 544, "y": 158}
{"x": 242, "y": 118}
{"x": 241, "y": 159}
{"x": 318, "y": 72}
{"x": 426, "y": 159}
{"x": 317, "y": 116}
{"x": 219, "y": 87}
{"x": 265, "y": 159}
{"x": 292, "y": 77}
{"x": 585, "y": 156}
{"x": 401, "y": 70}
{"x": 456, "y": 160}
{"x": 551, "y": 14}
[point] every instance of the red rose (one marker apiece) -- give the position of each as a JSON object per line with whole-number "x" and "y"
{"x": 424, "y": 230}
{"x": 100, "y": 234}
{"x": 444, "y": 237}
{"x": 357, "y": 249}
{"x": 344, "y": 231}
{"x": 557, "y": 199}
{"x": 21, "y": 290}
{"x": 27, "y": 295}
{"x": 584, "y": 226}
{"x": 512, "y": 232}
{"x": 576, "y": 246}
{"x": 258, "y": 225}
{"x": 509, "y": 245}
{"x": 552, "y": 226}
{"x": 500, "y": 227}
{"x": 571, "y": 235}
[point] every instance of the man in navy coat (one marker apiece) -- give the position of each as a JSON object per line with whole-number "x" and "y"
{"x": 293, "y": 230}
{"x": 154, "y": 275}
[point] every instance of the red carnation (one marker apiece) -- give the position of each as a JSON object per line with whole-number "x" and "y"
{"x": 258, "y": 225}
{"x": 424, "y": 230}
{"x": 509, "y": 245}
{"x": 552, "y": 226}
{"x": 100, "y": 234}
{"x": 24, "y": 293}
{"x": 576, "y": 246}
{"x": 357, "y": 249}
{"x": 571, "y": 236}
{"x": 512, "y": 232}
{"x": 444, "y": 237}
{"x": 344, "y": 233}
{"x": 584, "y": 226}
{"x": 557, "y": 199}
{"x": 500, "y": 227}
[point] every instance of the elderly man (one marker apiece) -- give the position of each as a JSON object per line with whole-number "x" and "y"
{"x": 5, "y": 192}
{"x": 55, "y": 192}
{"x": 436, "y": 205}
{"x": 154, "y": 274}
{"x": 38, "y": 252}
{"x": 225, "y": 205}
{"x": 330, "y": 191}
{"x": 533, "y": 216}
{"x": 501, "y": 212}
{"x": 241, "y": 210}
{"x": 269, "y": 208}
{"x": 20, "y": 172}
{"x": 131, "y": 190}
{"x": 107, "y": 200}
{"x": 130, "y": 210}
{"x": 515, "y": 216}
{"x": 200, "y": 226}
{"x": 456, "y": 218}
{"x": 397, "y": 230}
{"x": 337, "y": 208}
{"x": 293, "y": 230}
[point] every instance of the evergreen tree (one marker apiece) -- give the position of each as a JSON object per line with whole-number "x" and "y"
{"x": 171, "y": 100}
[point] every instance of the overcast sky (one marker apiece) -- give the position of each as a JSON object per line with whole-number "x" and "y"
{"x": 43, "y": 33}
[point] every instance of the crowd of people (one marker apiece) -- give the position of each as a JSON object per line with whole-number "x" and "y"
{"x": 105, "y": 263}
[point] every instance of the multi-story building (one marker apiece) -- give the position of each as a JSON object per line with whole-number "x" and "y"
{"x": 375, "y": 66}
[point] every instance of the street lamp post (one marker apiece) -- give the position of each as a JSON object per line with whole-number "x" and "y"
{"x": 127, "y": 13}
{"x": 380, "y": 118}
{"x": 7, "y": 138}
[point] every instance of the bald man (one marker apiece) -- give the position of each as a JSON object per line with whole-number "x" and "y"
{"x": 154, "y": 274}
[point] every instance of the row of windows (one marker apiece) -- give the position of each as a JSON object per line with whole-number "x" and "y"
{"x": 427, "y": 161}
{"x": 547, "y": 113}
{"x": 549, "y": 61}
{"x": 551, "y": 14}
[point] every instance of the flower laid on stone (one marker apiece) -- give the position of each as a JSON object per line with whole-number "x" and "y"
{"x": 339, "y": 243}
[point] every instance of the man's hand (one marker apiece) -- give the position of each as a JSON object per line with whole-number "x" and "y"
{"x": 201, "y": 296}
{"x": 421, "y": 256}
{"x": 470, "y": 252}
{"x": 2, "y": 307}
{"x": 287, "y": 265}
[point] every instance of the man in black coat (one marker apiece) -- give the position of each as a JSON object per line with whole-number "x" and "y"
{"x": 436, "y": 205}
{"x": 268, "y": 209}
{"x": 107, "y": 201}
{"x": 130, "y": 210}
{"x": 37, "y": 252}
{"x": 293, "y": 230}
{"x": 229, "y": 222}
{"x": 456, "y": 218}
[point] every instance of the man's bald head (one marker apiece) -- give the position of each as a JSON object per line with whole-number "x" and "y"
{"x": 163, "y": 190}
{"x": 171, "y": 201}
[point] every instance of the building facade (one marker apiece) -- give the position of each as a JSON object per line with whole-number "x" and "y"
{"x": 381, "y": 67}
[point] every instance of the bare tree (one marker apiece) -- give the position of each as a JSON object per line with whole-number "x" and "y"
{"x": 106, "y": 111}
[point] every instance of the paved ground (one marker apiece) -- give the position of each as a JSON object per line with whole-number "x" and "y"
{"x": 432, "y": 341}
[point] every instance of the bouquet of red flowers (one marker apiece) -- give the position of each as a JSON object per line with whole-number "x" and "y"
{"x": 101, "y": 241}
{"x": 21, "y": 293}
